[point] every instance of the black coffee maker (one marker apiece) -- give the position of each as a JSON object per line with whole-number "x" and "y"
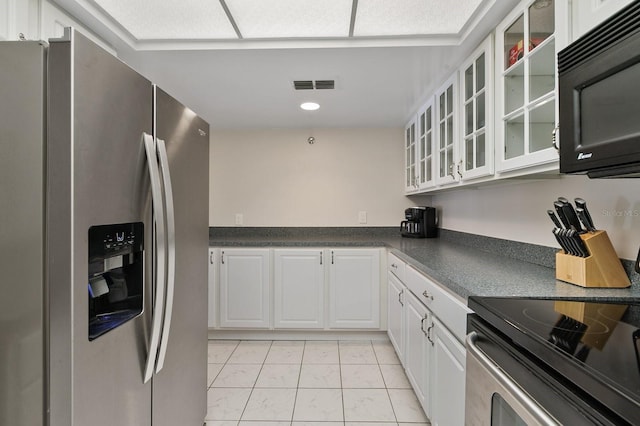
{"x": 420, "y": 223}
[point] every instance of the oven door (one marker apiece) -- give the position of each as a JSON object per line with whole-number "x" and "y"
{"x": 507, "y": 386}
{"x": 493, "y": 398}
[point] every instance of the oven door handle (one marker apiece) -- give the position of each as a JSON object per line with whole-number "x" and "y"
{"x": 516, "y": 392}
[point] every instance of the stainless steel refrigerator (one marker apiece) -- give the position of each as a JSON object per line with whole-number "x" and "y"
{"x": 103, "y": 237}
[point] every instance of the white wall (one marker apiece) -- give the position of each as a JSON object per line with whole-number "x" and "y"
{"x": 517, "y": 210}
{"x": 275, "y": 178}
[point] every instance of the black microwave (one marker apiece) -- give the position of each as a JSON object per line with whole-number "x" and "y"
{"x": 599, "y": 99}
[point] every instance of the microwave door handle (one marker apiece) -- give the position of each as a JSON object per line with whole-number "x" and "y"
{"x": 159, "y": 278}
{"x": 171, "y": 250}
{"x": 532, "y": 407}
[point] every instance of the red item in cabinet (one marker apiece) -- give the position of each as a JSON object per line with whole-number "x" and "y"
{"x": 517, "y": 51}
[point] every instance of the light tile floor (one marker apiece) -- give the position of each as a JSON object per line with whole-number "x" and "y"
{"x": 296, "y": 383}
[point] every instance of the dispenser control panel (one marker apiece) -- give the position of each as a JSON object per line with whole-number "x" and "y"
{"x": 114, "y": 240}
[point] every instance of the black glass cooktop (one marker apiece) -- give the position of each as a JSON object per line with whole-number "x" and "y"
{"x": 594, "y": 345}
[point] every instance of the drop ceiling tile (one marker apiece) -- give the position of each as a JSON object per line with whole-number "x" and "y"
{"x": 170, "y": 19}
{"x": 261, "y": 19}
{"x": 412, "y": 17}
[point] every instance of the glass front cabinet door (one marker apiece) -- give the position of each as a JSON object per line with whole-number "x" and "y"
{"x": 476, "y": 90}
{"x": 447, "y": 128}
{"x": 527, "y": 42}
{"x": 410, "y": 177}
{"x": 426, "y": 134}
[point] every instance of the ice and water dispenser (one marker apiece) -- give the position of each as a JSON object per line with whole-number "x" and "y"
{"x": 116, "y": 275}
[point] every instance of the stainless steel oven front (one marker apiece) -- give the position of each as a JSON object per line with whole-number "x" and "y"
{"x": 529, "y": 364}
{"x": 493, "y": 397}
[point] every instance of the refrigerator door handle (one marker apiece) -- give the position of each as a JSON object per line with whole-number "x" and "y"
{"x": 171, "y": 250}
{"x": 159, "y": 279}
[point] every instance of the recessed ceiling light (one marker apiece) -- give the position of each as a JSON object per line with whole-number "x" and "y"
{"x": 309, "y": 106}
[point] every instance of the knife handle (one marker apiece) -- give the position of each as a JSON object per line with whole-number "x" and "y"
{"x": 580, "y": 203}
{"x": 554, "y": 218}
{"x": 558, "y": 205}
{"x": 570, "y": 214}
{"x": 584, "y": 219}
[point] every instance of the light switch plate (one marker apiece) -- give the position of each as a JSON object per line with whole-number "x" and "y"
{"x": 362, "y": 217}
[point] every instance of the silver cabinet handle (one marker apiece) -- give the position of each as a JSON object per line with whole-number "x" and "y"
{"x": 429, "y": 333}
{"x": 394, "y": 266}
{"x": 211, "y": 258}
{"x": 458, "y": 167}
{"x": 427, "y": 295}
{"x": 158, "y": 285}
{"x": 400, "y": 297}
{"x": 222, "y": 257}
{"x": 321, "y": 257}
{"x": 171, "y": 250}
{"x": 536, "y": 411}
{"x": 422, "y": 325}
{"x": 332, "y": 257}
{"x": 554, "y": 138}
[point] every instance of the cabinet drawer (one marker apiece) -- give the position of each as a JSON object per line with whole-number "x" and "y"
{"x": 396, "y": 266}
{"x": 451, "y": 311}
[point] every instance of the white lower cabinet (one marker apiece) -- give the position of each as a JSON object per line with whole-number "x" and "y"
{"x": 448, "y": 380}
{"x": 298, "y": 288}
{"x": 244, "y": 288}
{"x": 431, "y": 323}
{"x": 396, "y": 296}
{"x": 213, "y": 291}
{"x": 294, "y": 288}
{"x": 419, "y": 351}
{"x": 354, "y": 288}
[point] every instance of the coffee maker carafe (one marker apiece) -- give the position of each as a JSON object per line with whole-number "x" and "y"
{"x": 420, "y": 223}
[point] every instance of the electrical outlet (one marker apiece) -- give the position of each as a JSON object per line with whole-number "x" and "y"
{"x": 239, "y": 218}
{"x": 362, "y": 217}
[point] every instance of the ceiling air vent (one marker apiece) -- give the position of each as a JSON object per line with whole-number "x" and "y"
{"x": 325, "y": 84}
{"x": 310, "y": 84}
{"x": 303, "y": 84}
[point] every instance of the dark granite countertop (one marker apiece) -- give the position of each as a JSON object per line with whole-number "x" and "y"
{"x": 468, "y": 265}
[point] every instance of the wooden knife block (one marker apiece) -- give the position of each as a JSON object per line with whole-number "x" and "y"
{"x": 601, "y": 269}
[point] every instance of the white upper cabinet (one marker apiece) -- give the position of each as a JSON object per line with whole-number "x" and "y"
{"x": 446, "y": 121}
{"x": 476, "y": 94}
{"x": 527, "y": 42}
{"x": 419, "y": 150}
{"x": 589, "y": 13}
{"x": 53, "y": 20}
{"x": 19, "y": 17}
{"x": 425, "y": 163}
{"x": 411, "y": 179}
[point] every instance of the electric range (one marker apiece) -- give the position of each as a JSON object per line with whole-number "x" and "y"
{"x": 581, "y": 358}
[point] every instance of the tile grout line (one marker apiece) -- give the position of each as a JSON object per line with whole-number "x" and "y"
{"x": 344, "y": 411}
{"x": 295, "y": 399}
{"x": 254, "y": 383}
{"x": 385, "y": 385}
